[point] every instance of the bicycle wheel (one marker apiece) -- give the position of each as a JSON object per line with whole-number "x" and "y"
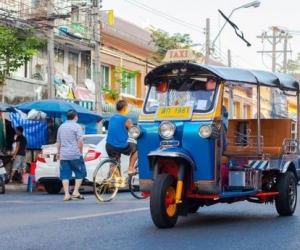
{"x": 105, "y": 180}
{"x": 134, "y": 185}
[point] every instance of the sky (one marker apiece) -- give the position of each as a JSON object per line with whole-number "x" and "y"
{"x": 190, "y": 17}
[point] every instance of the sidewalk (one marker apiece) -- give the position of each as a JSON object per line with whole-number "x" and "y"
{"x": 14, "y": 186}
{"x": 19, "y": 187}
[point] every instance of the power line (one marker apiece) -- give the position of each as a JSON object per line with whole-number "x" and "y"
{"x": 166, "y": 16}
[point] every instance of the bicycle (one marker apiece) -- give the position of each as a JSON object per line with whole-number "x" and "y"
{"x": 108, "y": 178}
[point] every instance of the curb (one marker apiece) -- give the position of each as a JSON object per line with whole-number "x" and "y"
{"x": 22, "y": 187}
{"x": 16, "y": 187}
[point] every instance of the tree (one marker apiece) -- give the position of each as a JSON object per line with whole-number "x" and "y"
{"x": 165, "y": 42}
{"x": 122, "y": 79}
{"x": 293, "y": 66}
{"x": 16, "y": 49}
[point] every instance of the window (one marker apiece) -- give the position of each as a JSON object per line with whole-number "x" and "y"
{"x": 131, "y": 87}
{"x": 73, "y": 66}
{"x": 92, "y": 140}
{"x": 73, "y": 58}
{"x": 105, "y": 76}
{"x": 59, "y": 56}
{"x": 75, "y": 13}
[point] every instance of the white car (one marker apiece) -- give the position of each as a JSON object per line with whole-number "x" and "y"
{"x": 47, "y": 167}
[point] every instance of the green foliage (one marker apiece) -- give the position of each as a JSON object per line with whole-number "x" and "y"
{"x": 112, "y": 93}
{"x": 17, "y": 48}
{"x": 165, "y": 42}
{"x": 292, "y": 66}
{"x": 122, "y": 78}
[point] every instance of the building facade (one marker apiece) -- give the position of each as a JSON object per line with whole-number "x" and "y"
{"x": 123, "y": 45}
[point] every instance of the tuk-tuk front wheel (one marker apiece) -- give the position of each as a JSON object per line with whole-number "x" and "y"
{"x": 162, "y": 201}
{"x": 286, "y": 200}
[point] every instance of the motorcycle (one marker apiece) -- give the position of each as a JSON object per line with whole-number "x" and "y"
{"x": 3, "y": 177}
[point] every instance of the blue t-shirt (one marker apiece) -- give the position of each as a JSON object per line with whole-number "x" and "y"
{"x": 117, "y": 132}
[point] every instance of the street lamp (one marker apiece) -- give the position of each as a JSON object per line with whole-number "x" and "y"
{"x": 254, "y": 4}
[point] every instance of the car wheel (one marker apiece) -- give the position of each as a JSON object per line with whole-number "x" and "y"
{"x": 53, "y": 188}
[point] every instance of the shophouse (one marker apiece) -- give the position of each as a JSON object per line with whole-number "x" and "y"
{"x": 123, "y": 44}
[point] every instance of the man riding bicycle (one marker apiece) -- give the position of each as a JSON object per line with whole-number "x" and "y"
{"x": 117, "y": 137}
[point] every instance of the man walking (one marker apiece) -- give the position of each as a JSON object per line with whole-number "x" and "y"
{"x": 69, "y": 152}
{"x": 19, "y": 155}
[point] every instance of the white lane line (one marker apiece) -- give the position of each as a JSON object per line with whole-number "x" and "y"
{"x": 104, "y": 214}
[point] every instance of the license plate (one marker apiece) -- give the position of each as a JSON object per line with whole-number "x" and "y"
{"x": 173, "y": 113}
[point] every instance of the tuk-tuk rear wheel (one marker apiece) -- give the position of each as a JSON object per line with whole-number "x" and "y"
{"x": 162, "y": 201}
{"x": 286, "y": 200}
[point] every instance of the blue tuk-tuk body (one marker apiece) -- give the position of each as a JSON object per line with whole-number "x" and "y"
{"x": 189, "y": 154}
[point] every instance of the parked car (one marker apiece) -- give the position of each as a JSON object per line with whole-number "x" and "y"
{"x": 47, "y": 167}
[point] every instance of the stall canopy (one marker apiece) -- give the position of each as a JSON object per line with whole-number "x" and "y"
{"x": 4, "y": 107}
{"x": 55, "y": 108}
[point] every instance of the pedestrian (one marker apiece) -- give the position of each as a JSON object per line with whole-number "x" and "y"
{"x": 19, "y": 153}
{"x": 117, "y": 136}
{"x": 69, "y": 152}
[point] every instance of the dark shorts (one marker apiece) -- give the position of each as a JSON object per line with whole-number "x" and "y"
{"x": 19, "y": 163}
{"x": 68, "y": 166}
{"x": 111, "y": 150}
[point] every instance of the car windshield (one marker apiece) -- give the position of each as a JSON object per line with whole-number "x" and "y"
{"x": 92, "y": 140}
{"x": 193, "y": 95}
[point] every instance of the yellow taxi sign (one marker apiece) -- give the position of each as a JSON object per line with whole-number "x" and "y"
{"x": 174, "y": 113}
{"x": 175, "y": 55}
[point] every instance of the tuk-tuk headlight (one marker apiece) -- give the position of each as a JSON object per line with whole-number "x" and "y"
{"x": 205, "y": 131}
{"x": 134, "y": 132}
{"x": 167, "y": 130}
{"x": 209, "y": 131}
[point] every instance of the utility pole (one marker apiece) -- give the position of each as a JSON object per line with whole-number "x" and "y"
{"x": 98, "y": 87}
{"x": 207, "y": 47}
{"x": 51, "y": 90}
{"x": 285, "y": 53}
{"x": 274, "y": 39}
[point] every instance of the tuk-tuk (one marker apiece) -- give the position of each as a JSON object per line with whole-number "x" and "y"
{"x": 191, "y": 155}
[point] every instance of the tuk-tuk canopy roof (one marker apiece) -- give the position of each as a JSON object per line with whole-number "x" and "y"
{"x": 235, "y": 75}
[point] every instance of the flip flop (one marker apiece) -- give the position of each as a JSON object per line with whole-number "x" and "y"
{"x": 67, "y": 199}
{"x": 79, "y": 196}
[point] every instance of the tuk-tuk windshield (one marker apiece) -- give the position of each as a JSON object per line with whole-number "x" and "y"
{"x": 196, "y": 94}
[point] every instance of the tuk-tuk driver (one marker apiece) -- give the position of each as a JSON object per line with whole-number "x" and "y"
{"x": 203, "y": 98}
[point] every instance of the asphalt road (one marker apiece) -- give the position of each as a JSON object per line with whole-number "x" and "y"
{"x": 41, "y": 221}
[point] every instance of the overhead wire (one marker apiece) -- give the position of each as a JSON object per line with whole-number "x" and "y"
{"x": 166, "y": 16}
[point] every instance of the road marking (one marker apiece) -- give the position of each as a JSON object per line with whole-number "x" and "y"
{"x": 104, "y": 214}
